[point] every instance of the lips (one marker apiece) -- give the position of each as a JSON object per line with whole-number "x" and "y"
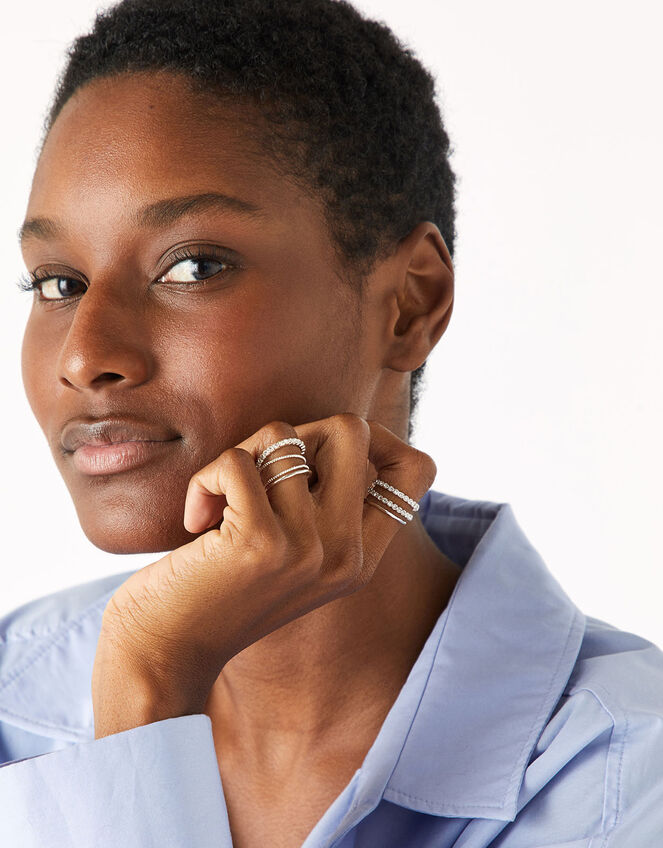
{"x": 109, "y": 431}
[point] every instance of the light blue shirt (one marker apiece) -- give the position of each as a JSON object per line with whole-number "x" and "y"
{"x": 523, "y": 723}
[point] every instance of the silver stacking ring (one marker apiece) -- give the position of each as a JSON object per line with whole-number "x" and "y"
{"x": 408, "y": 516}
{"x": 303, "y": 468}
{"x": 298, "y": 468}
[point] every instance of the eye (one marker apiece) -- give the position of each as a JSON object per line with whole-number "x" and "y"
{"x": 191, "y": 265}
{"x": 193, "y": 270}
{"x": 51, "y": 288}
{"x": 56, "y": 288}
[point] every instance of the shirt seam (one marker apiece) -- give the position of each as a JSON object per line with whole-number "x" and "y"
{"x": 619, "y": 745}
{"x": 526, "y": 746}
{"x": 10, "y": 636}
{"x": 482, "y": 541}
{"x": 42, "y": 724}
{"x": 355, "y": 803}
{"x": 429, "y": 804}
{"x": 53, "y": 638}
{"x": 544, "y": 707}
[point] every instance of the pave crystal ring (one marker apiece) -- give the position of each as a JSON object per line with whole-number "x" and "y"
{"x": 299, "y": 467}
{"x": 408, "y": 516}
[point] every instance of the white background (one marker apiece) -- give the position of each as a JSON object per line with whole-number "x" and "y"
{"x": 545, "y": 391}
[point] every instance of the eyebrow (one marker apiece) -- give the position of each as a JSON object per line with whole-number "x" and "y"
{"x": 156, "y": 215}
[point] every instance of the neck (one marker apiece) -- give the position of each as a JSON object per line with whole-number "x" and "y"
{"x": 331, "y": 676}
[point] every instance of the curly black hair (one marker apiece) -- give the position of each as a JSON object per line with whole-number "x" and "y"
{"x": 351, "y": 113}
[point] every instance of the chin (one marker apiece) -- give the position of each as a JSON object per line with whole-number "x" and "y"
{"x": 122, "y": 533}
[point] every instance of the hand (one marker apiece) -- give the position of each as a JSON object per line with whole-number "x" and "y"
{"x": 171, "y": 627}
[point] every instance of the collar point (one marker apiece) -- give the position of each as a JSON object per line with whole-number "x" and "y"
{"x": 488, "y": 809}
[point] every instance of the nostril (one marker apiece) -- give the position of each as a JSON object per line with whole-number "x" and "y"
{"x": 106, "y": 376}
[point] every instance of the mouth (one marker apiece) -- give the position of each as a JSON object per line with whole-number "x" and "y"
{"x": 117, "y": 457}
{"x": 110, "y": 446}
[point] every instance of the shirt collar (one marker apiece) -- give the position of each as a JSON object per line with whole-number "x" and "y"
{"x": 458, "y": 738}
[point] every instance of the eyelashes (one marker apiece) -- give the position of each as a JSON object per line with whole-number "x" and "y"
{"x": 27, "y": 282}
{"x": 194, "y": 255}
{"x": 201, "y": 253}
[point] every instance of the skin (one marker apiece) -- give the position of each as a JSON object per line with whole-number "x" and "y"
{"x": 279, "y": 337}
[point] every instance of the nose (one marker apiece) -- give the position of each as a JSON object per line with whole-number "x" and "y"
{"x": 107, "y": 342}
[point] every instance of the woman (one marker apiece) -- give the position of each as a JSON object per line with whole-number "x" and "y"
{"x": 240, "y": 237}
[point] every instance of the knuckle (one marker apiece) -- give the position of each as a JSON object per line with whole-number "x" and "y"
{"x": 275, "y": 431}
{"x": 426, "y": 467}
{"x": 233, "y": 461}
{"x": 351, "y": 423}
{"x": 235, "y": 458}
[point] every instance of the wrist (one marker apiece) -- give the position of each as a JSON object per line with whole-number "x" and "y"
{"x": 124, "y": 696}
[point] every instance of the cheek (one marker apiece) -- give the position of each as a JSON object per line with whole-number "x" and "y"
{"x": 235, "y": 358}
{"x": 37, "y": 369}
{"x": 260, "y": 359}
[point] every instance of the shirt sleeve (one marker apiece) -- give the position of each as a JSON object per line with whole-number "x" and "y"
{"x": 153, "y": 785}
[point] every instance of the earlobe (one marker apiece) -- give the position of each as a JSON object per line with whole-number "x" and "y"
{"x": 424, "y": 297}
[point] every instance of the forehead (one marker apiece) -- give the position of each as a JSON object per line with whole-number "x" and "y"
{"x": 139, "y": 137}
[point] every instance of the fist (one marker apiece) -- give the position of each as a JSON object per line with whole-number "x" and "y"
{"x": 276, "y": 554}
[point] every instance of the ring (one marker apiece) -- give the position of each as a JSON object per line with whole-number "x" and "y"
{"x": 303, "y": 468}
{"x": 299, "y": 468}
{"x": 407, "y": 515}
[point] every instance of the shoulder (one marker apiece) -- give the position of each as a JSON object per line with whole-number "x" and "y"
{"x": 599, "y": 758}
{"x": 622, "y": 670}
{"x": 44, "y": 616}
{"x": 618, "y": 675}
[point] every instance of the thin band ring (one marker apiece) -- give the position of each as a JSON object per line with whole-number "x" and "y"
{"x": 271, "y": 448}
{"x": 299, "y": 468}
{"x": 407, "y": 515}
{"x": 287, "y": 472}
{"x": 303, "y": 468}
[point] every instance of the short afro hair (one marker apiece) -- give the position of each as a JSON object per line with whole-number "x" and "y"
{"x": 351, "y": 113}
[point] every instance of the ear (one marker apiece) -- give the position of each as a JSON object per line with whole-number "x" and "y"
{"x": 422, "y": 297}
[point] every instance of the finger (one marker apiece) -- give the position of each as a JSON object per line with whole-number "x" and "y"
{"x": 231, "y": 480}
{"x": 338, "y": 447}
{"x": 202, "y": 509}
{"x": 410, "y": 471}
{"x": 289, "y": 497}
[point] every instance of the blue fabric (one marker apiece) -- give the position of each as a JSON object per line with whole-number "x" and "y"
{"x": 523, "y": 723}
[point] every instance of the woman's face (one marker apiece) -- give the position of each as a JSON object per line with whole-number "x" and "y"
{"x": 200, "y": 351}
